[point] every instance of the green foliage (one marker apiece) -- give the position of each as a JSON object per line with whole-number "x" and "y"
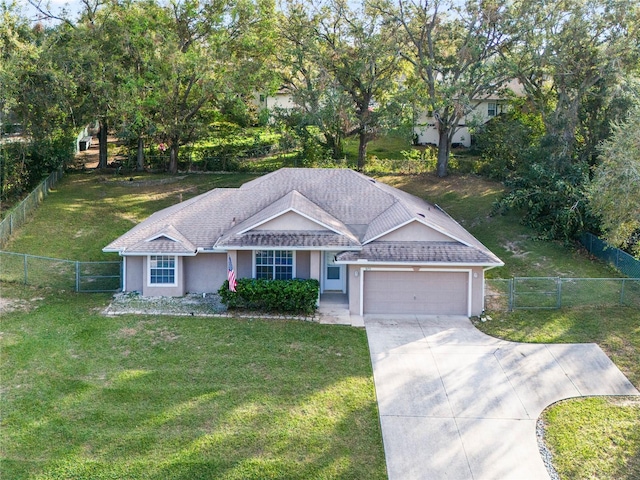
{"x": 24, "y": 165}
{"x": 505, "y": 142}
{"x": 296, "y": 296}
{"x": 614, "y": 192}
{"x": 553, "y": 204}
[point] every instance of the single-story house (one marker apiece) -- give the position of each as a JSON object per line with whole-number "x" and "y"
{"x": 384, "y": 250}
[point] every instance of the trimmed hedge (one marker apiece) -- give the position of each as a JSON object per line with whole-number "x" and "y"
{"x": 290, "y": 296}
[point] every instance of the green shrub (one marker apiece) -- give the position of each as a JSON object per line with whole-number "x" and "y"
{"x": 291, "y": 296}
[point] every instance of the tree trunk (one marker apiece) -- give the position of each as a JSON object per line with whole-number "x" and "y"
{"x": 102, "y": 141}
{"x": 173, "y": 158}
{"x": 334, "y": 142}
{"x": 140, "y": 155}
{"x": 444, "y": 149}
{"x": 362, "y": 150}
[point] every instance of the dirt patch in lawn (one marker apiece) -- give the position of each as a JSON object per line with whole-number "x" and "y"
{"x": 8, "y": 305}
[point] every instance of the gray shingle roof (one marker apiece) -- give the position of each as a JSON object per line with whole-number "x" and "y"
{"x": 355, "y": 208}
{"x": 274, "y": 239}
{"x": 420, "y": 252}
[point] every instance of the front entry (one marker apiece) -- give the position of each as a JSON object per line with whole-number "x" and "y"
{"x": 333, "y": 276}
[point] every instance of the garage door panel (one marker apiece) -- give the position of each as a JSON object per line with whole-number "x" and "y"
{"x": 435, "y": 293}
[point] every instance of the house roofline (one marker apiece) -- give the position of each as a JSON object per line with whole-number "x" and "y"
{"x": 260, "y": 247}
{"x": 364, "y": 263}
{"x": 427, "y": 224}
{"x": 125, "y": 253}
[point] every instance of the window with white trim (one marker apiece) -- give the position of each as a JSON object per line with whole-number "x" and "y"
{"x": 492, "y": 109}
{"x": 162, "y": 270}
{"x": 274, "y": 264}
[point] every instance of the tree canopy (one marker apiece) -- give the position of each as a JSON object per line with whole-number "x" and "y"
{"x": 614, "y": 192}
{"x": 163, "y": 71}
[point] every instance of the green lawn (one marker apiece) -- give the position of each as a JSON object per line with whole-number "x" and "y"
{"x": 86, "y": 396}
{"x": 143, "y": 397}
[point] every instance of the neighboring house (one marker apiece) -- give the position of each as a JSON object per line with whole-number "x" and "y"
{"x": 385, "y": 250}
{"x": 280, "y": 100}
{"x": 425, "y": 129}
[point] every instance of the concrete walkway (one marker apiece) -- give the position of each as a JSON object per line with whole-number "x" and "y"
{"x": 457, "y": 404}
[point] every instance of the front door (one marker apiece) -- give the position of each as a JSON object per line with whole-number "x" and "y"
{"x": 334, "y": 275}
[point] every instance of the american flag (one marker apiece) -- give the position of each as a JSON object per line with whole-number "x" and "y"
{"x": 231, "y": 276}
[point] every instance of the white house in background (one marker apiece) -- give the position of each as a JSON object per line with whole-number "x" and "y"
{"x": 426, "y": 131}
{"x": 282, "y": 99}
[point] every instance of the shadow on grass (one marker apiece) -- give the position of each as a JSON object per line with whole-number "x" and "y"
{"x": 144, "y": 397}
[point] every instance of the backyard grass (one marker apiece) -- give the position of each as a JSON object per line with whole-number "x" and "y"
{"x": 89, "y": 210}
{"x": 86, "y": 396}
{"x": 158, "y": 397}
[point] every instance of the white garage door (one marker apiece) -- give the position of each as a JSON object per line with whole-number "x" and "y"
{"x": 426, "y": 293}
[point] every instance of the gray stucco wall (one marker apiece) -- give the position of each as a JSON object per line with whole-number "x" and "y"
{"x": 303, "y": 264}
{"x": 245, "y": 259}
{"x": 134, "y": 271}
{"x": 205, "y": 272}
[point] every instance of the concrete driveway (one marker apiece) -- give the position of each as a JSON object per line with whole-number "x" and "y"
{"x": 457, "y": 404}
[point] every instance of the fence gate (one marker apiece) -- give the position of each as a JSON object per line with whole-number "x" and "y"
{"x": 60, "y": 274}
{"x": 98, "y": 276}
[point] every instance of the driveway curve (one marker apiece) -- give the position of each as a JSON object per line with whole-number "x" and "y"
{"x": 455, "y": 403}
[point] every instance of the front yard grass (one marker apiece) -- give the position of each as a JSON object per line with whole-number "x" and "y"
{"x": 159, "y": 397}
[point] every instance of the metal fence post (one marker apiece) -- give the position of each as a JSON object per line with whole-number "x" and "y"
{"x": 622, "y": 291}
{"x": 25, "y": 270}
{"x": 512, "y": 293}
{"x": 77, "y": 276}
{"x": 559, "y": 294}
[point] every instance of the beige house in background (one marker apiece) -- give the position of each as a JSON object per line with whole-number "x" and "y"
{"x": 425, "y": 129}
{"x": 382, "y": 249}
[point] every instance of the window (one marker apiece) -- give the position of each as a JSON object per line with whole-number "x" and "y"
{"x": 493, "y": 109}
{"x": 162, "y": 270}
{"x": 274, "y": 264}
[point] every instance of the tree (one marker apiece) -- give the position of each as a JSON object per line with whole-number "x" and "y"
{"x": 360, "y": 52}
{"x": 342, "y": 66}
{"x": 571, "y": 58}
{"x": 614, "y": 192}
{"x": 454, "y": 49}
{"x": 208, "y": 51}
{"x": 319, "y": 100}
{"x": 90, "y": 51}
{"x": 35, "y": 93}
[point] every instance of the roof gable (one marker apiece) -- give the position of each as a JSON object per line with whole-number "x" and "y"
{"x": 415, "y": 231}
{"x": 292, "y": 212}
{"x": 290, "y": 220}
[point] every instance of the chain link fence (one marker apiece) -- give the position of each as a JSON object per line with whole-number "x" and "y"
{"x": 19, "y": 214}
{"x": 620, "y": 259}
{"x": 554, "y": 292}
{"x": 60, "y": 274}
